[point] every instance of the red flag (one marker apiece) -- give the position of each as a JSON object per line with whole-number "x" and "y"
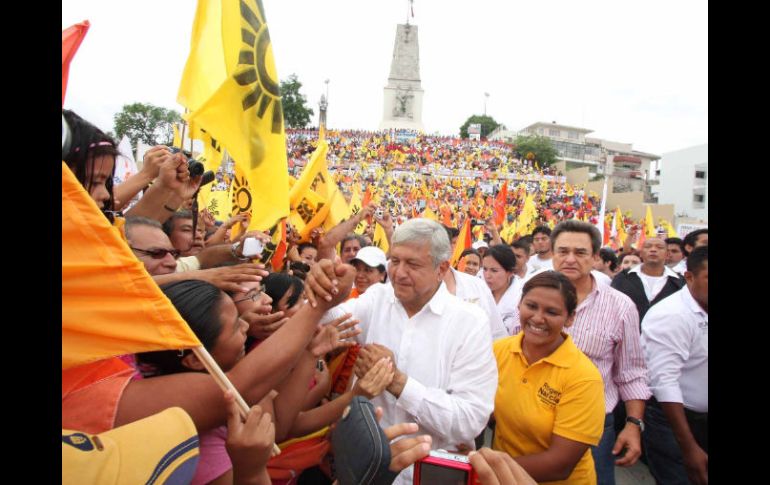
{"x": 499, "y": 205}
{"x": 365, "y": 202}
{"x": 607, "y": 231}
{"x": 71, "y": 38}
{"x": 279, "y": 237}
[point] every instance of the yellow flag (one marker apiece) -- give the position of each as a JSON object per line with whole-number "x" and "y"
{"x": 620, "y": 227}
{"x": 110, "y": 304}
{"x": 230, "y": 85}
{"x": 177, "y": 137}
{"x": 380, "y": 239}
{"x": 670, "y": 231}
{"x": 355, "y": 207}
{"x": 649, "y": 224}
{"x": 219, "y": 205}
{"x": 429, "y": 214}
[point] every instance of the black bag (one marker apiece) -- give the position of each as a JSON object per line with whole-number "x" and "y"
{"x": 361, "y": 449}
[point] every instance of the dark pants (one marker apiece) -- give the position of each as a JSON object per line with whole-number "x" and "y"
{"x": 664, "y": 457}
{"x": 604, "y": 460}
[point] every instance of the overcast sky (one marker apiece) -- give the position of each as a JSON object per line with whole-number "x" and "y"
{"x": 633, "y": 72}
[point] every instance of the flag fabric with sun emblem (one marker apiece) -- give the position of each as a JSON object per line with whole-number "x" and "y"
{"x": 230, "y": 86}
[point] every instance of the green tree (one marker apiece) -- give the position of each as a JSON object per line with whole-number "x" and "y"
{"x": 147, "y": 123}
{"x": 296, "y": 113}
{"x": 488, "y": 124}
{"x": 536, "y": 148}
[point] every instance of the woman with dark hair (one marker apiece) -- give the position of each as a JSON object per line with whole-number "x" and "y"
{"x": 213, "y": 317}
{"x": 91, "y": 158}
{"x": 470, "y": 262}
{"x": 499, "y": 266}
{"x": 370, "y": 264}
{"x": 549, "y": 406}
{"x": 628, "y": 260}
{"x": 285, "y": 291}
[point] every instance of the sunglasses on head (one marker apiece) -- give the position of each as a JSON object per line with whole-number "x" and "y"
{"x": 158, "y": 253}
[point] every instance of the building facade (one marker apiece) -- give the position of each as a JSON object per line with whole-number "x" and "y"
{"x": 682, "y": 180}
{"x": 629, "y": 169}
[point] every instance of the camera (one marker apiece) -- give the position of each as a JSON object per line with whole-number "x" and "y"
{"x": 253, "y": 248}
{"x": 440, "y": 467}
{"x": 195, "y": 167}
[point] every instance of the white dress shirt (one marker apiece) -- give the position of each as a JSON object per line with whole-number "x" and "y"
{"x": 653, "y": 284}
{"x": 476, "y": 291}
{"x": 445, "y": 350}
{"x": 601, "y": 277}
{"x": 675, "y": 339}
{"x": 680, "y": 267}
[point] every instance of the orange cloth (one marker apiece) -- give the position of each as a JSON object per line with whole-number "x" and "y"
{"x": 91, "y": 393}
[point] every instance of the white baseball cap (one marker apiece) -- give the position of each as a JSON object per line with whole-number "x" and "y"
{"x": 480, "y": 244}
{"x": 371, "y": 256}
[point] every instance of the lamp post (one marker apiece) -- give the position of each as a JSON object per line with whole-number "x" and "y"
{"x": 486, "y": 96}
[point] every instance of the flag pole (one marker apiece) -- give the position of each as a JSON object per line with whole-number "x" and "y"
{"x": 224, "y": 383}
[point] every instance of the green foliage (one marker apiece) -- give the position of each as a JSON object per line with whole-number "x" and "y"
{"x": 536, "y": 148}
{"x": 488, "y": 124}
{"x": 296, "y": 113}
{"x": 147, "y": 123}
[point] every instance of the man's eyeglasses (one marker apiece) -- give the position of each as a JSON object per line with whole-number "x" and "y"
{"x": 253, "y": 296}
{"x": 158, "y": 253}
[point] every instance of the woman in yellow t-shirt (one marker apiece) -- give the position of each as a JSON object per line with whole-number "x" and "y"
{"x": 549, "y": 405}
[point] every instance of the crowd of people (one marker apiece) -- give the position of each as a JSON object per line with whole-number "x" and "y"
{"x": 578, "y": 358}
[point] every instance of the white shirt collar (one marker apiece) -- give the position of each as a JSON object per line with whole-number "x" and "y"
{"x": 436, "y": 304}
{"x": 666, "y": 271}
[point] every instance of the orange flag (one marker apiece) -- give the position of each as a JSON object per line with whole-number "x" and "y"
{"x": 110, "y": 304}
{"x": 500, "y": 200}
{"x": 464, "y": 241}
{"x": 71, "y": 37}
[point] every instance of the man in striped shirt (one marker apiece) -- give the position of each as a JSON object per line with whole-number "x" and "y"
{"x": 606, "y": 329}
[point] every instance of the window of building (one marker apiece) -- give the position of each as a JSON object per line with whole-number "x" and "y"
{"x": 699, "y": 198}
{"x": 554, "y": 132}
{"x": 572, "y": 135}
{"x": 657, "y": 173}
{"x": 539, "y": 131}
{"x": 700, "y": 174}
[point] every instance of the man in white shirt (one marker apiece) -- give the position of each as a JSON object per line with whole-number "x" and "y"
{"x": 650, "y": 282}
{"x": 473, "y": 290}
{"x": 441, "y": 347}
{"x": 541, "y": 241}
{"x": 694, "y": 239}
{"x": 675, "y": 343}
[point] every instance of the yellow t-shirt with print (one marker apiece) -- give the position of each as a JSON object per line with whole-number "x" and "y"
{"x": 560, "y": 394}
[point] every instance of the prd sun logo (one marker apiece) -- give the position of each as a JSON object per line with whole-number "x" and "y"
{"x": 253, "y": 70}
{"x": 241, "y": 197}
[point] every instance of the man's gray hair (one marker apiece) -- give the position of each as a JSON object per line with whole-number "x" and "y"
{"x": 425, "y": 231}
{"x": 131, "y": 222}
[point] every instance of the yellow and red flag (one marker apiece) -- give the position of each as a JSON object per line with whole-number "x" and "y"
{"x": 464, "y": 241}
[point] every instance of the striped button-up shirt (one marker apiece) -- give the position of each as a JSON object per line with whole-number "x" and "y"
{"x": 606, "y": 329}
